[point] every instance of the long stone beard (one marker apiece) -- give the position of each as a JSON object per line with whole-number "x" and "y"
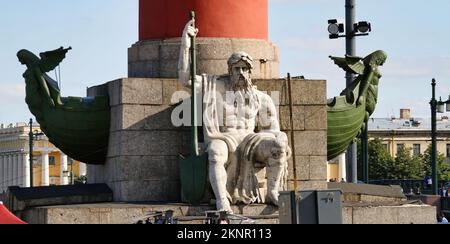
{"x": 242, "y": 84}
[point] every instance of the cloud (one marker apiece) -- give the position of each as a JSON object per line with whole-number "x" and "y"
{"x": 11, "y": 91}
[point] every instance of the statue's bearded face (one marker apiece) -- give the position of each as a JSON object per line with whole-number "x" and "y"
{"x": 240, "y": 76}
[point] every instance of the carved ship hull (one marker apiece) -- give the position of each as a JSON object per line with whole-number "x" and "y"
{"x": 80, "y": 128}
{"x": 344, "y": 124}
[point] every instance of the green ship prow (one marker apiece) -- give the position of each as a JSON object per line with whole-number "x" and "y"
{"x": 79, "y": 127}
{"x": 349, "y": 113}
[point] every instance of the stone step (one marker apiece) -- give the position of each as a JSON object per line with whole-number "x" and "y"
{"x": 129, "y": 213}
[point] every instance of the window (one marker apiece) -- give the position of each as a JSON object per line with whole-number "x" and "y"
{"x": 51, "y": 160}
{"x": 400, "y": 147}
{"x": 416, "y": 149}
{"x": 448, "y": 150}
{"x": 386, "y": 147}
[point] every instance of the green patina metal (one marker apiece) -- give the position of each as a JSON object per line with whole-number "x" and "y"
{"x": 349, "y": 113}
{"x": 193, "y": 169}
{"x": 78, "y": 126}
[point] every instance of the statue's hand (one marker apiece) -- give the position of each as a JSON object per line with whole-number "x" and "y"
{"x": 190, "y": 30}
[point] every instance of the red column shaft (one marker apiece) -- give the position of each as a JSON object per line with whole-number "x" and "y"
{"x": 159, "y": 19}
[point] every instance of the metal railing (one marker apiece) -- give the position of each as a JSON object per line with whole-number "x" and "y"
{"x": 409, "y": 186}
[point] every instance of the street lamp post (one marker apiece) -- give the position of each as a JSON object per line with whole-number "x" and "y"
{"x": 434, "y": 110}
{"x": 352, "y": 29}
{"x": 31, "y": 152}
{"x": 32, "y": 136}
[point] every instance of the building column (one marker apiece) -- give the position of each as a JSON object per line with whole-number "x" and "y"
{"x": 45, "y": 169}
{"x": 19, "y": 167}
{"x": 342, "y": 167}
{"x": 15, "y": 170}
{"x": 82, "y": 169}
{"x": 9, "y": 174}
{"x": 63, "y": 176}
{"x": 26, "y": 169}
{"x": 2, "y": 172}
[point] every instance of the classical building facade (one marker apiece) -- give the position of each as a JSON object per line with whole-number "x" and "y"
{"x": 50, "y": 165}
{"x": 411, "y": 133}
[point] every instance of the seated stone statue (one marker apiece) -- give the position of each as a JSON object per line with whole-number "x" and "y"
{"x": 245, "y": 166}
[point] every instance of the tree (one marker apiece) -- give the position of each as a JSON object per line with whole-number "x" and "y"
{"x": 406, "y": 166}
{"x": 443, "y": 168}
{"x": 380, "y": 161}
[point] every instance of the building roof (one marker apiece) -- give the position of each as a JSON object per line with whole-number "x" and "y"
{"x": 416, "y": 124}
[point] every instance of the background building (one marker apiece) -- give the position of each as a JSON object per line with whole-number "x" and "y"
{"x": 395, "y": 133}
{"x": 411, "y": 133}
{"x": 50, "y": 167}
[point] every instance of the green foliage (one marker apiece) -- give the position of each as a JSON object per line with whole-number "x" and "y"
{"x": 443, "y": 168}
{"x": 381, "y": 161}
{"x": 404, "y": 166}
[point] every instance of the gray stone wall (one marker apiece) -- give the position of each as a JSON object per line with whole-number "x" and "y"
{"x": 308, "y": 166}
{"x": 159, "y": 58}
{"x": 407, "y": 214}
{"x": 144, "y": 147}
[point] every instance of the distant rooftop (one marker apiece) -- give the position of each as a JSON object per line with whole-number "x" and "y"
{"x": 412, "y": 124}
{"x": 17, "y": 125}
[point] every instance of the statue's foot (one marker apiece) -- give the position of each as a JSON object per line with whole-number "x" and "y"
{"x": 224, "y": 206}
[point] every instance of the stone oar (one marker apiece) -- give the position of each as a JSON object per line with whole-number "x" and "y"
{"x": 193, "y": 169}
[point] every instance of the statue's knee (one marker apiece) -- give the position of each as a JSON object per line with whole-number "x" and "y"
{"x": 218, "y": 152}
{"x": 282, "y": 139}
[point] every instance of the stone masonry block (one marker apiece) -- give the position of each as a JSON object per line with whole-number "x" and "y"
{"x": 143, "y": 69}
{"x": 170, "y": 51}
{"x": 347, "y": 215}
{"x": 166, "y": 53}
{"x": 255, "y": 48}
{"x": 114, "y": 91}
{"x": 145, "y": 143}
{"x": 140, "y": 117}
{"x": 168, "y": 69}
{"x": 312, "y": 185}
{"x": 170, "y": 87}
{"x": 135, "y": 91}
{"x": 148, "y": 51}
{"x": 142, "y": 91}
{"x": 318, "y": 168}
{"x": 273, "y": 87}
{"x": 147, "y": 168}
{"x": 380, "y": 215}
{"x": 214, "y": 48}
{"x": 315, "y": 117}
{"x": 266, "y": 69}
{"x": 213, "y": 66}
{"x": 298, "y": 116}
{"x": 301, "y": 167}
{"x": 307, "y": 185}
{"x": 125, "y": 116}
{"x": 309, "y": 92}
{"x": 311, "y": 143}
{"x": 422, "y": 214}
{"x": 133, "y": 54}
{"x": 148, "y": 190}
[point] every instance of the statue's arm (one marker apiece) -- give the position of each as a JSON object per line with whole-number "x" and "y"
{"x": 268, "y": 115}
{"x": 184, "y": 68}
{"x": 44, "y": 87}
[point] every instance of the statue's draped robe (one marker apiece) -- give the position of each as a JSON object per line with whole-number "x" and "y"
{"x": 242, "y": 181}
